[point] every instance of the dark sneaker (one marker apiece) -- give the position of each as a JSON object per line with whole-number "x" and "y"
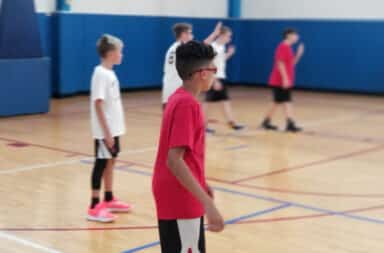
{"x": 235, "y": 126}
{"x": 291, "y": 127}
{"x": 268, "y": 126}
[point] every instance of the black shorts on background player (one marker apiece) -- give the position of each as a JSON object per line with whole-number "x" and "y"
{"x": 217, "y": 95}
{"x": 281, "y": 95}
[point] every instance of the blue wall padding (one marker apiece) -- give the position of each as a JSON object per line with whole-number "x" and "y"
{"x": 146, "y": 41}
{"x": 24, "y": 85}
{"x": 340, "y": 55}
{"x": 19, "y": 31}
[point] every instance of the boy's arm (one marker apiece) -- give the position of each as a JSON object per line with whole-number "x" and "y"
{"x": 300, "y": 52}
{"x": 283, "y": 73}
{"x": 180, "y": 170}
{"x": 214, "y": 34}
{"x": 98, "y": 103}
{"x": 230, "y": 52}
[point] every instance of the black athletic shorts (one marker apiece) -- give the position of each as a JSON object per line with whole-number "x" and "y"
{"x": 103, "y": 152}
{"x": 281, "y": 95}
{"x": 217, "y": 95}
{"x": 177, "y": 235}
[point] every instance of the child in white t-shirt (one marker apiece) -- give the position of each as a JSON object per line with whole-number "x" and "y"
{"x": 171, "y": 80}
{"x": 219, "y": 92}
{"x": 107, "y": 122}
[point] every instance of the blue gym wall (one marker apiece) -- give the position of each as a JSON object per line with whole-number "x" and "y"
{"x": 24, "y": 72}
{"x": 342, "y": 55}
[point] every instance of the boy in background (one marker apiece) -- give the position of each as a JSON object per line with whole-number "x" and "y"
{"x": 219, "y": 91}
{"x": 283, "y": 78}
{"x": 107, "y": 121}
{"x": 183, "y": 33}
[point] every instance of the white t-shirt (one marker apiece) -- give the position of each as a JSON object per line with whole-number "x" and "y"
{"x": 171, "y": 79}
{"x": 220, "y": 60}
{"x": 105, "y": 86}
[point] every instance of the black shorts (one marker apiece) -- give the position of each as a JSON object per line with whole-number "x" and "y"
{"x": 103, "y": 152}
{"x": 281, "y": 95}
{"x": 217, "y": 95}
{"x": 176, "y": 235}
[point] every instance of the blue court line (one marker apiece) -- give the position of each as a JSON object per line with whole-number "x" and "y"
{"x": 236, "y": 147}
{"x": 145, "y": 246}
{"x": 307, "y": 207}
{"x": 275, "y": 200}
{"x": 259, "y": 213}
{"x": 231, "y": 221}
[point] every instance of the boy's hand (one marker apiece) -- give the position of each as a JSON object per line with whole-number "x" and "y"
{"x": 217, "y": 86}
{"x": 210, "y": 192}
{"x": 215, "y": 220}
{"x": 110, "y": 142}
{"x": 231, "y": 50}
{"x": 286, "y": 84}
{"x": 300, "y": 50}
{"x": 217, "y": 30}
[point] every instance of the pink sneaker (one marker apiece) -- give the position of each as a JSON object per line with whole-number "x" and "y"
{"x": 117, "y": 206}
{"x": 100, "y": 214}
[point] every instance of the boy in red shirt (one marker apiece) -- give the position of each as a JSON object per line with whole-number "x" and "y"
{"x": 181, "y": 193}
{"x": 283, "y": 78}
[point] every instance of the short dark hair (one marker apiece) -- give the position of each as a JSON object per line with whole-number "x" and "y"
{"x": 288, "y": 32}
{"x": 191, "y": 56}
{"x": 180, "y": 28}
{"x": 108, "y": 43}
{"x": 225, "y": 29}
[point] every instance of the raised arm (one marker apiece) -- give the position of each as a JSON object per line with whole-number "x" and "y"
{"x": 211, "y": 38}
{"x": 299, "y": 54}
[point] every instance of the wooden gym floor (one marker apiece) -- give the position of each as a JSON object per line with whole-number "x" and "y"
{"x": 317, "y": 191}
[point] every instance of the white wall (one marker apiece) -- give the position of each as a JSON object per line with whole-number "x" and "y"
{"x": 193, "y": 8}
{"x": 45, "y": 5}
{"x": 315, "y": 9}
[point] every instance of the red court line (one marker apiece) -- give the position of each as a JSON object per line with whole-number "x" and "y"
{"x": 130, "y": 163}
{"x": 308, "y": 193}
{"x": 290, "y": 218}
{"x": 63, "y": 229}
{"x": 71, "y": 153}
{"x": 311, "y": 133}
{"x": 310, "y": 164}
{"x": 277, "y": 219}
{"x": 343, "y": 137}
{"x": 44, "y": 147}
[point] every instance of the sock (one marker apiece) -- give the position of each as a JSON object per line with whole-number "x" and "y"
{"x": 108, "y": 196}
{"x": 94, "y": 202}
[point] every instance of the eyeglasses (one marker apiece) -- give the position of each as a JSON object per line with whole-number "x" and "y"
{"x": 214, "y": 70}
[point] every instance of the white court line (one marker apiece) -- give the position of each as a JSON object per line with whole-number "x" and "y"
{"x": 67, "y": 162}
{"x": 27, "y": 243}
{"x": 41, "y": 166}
{"x": 136, "y": 151}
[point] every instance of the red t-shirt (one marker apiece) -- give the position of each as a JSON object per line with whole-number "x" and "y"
{"x": 284, "y": 53}
{"x": 182, "y": 126}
